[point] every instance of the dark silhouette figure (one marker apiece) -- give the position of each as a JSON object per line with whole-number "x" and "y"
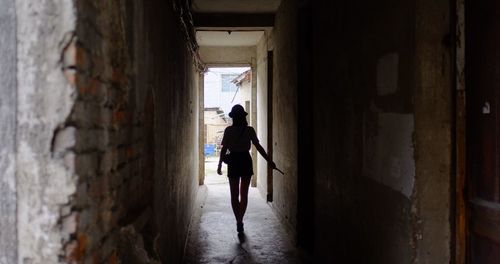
{"x": 237, "y": 139}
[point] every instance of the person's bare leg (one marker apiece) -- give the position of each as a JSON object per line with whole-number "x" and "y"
{"x": 245, "y": 184}
{"x": 234, "y": 185}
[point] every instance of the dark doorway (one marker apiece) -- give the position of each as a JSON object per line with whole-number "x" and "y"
{"x": 483, "y": 130}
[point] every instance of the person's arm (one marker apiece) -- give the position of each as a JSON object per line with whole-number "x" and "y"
{"x": 223, "y": 152}
{"x": 261, "y": 150}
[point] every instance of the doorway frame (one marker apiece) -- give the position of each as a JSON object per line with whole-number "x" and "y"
{"x": 461, "y": 223}
{"x": 201, "y": 109}
{"x": 270, "y": 139}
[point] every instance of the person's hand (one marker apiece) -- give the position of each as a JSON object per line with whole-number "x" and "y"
{"x": 272, "y": 165}
{"x": 219, "y": 169}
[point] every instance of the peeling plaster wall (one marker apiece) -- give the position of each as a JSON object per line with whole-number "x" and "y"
{"x": 45, "y": 161}
{"x": 136, "y": 123}
{"x": 363, "y": 131}
{"x": 381, "y": 96}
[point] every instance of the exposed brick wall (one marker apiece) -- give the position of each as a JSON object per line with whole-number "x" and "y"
{"x": 135, "y": 131}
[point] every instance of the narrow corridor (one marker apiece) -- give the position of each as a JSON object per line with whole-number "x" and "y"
{"x": 390, "y": 148}
{"x": 213, "y": 237}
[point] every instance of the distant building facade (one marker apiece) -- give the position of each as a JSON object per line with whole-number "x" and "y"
{"x": 215, "y": 124}
{"x": 220, "y": 88}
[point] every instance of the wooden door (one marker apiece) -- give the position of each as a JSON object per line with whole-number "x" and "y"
{"x": 482, "y": 49}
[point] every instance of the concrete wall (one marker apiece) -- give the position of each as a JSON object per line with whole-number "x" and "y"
{"x": 245, "y": 92}
{"x": 262, "y": 112}
{"x": 381, "y": 95}
{"x": 8, "y": 111}
{"x": 44, "y": 141}
{"x": 176, "y": 132}
{"x": 135, "y": 120}
{"x": 285, "y": 113}
{"x": 223, "y": 56}
{"x": 434, "y": 140}
{"x": 44, "y": 159}
{"x": 105, "y": 136}
{"x": 363, "y": 127}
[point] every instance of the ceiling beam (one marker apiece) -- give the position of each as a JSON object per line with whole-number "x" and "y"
{"x": 225, "y": 20}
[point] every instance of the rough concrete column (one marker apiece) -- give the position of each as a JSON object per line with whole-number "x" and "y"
{"x": 262, "y": 112}
{"x": 8, "y": 229}
{"x": 44, "y": 159}
{"x": 253, "y": 115}
{"x": 433, "y": 123}
{"x": 201, "y": 126}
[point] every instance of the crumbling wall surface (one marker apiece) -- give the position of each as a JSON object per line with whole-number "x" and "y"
{"x": 135, "y": 123}
{"x": 285, "y": 113}
{"x": 45, "y": 160}
{"x": 363, "y": 129}
{"x": 176, "y": 135}
{"x": 372, "y": 132}
{"x": 113, "y": 153}
{"x": 8, "y": 206}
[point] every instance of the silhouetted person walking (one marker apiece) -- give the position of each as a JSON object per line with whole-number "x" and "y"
{"x": 237, "y": 139}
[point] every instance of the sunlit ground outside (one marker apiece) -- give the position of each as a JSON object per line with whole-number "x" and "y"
{"x": 211, "y": 176}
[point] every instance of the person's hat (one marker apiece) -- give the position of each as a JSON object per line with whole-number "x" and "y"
{"x": 237, "y": 110}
